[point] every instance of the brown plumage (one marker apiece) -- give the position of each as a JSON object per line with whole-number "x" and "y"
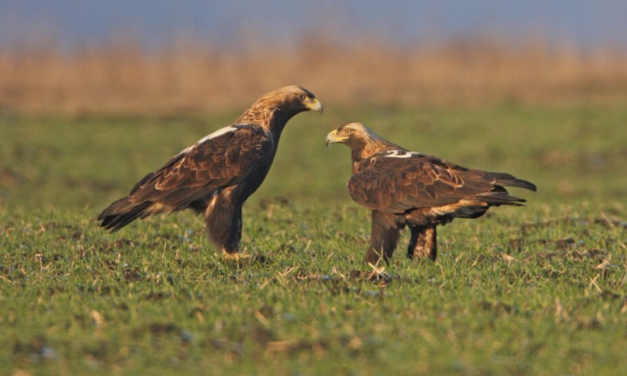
{"x": 217, "y": 174}
{"x": 403, "y": 188}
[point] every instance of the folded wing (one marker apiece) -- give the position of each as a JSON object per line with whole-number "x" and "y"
{"x": 224, "y": 158}
{"x": 400, "y": 181}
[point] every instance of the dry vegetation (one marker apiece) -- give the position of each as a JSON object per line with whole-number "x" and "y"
{"x": 121, "y": 77}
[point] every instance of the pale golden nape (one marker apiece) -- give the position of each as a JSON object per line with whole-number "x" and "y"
{"x": 362, "y": 141}
{"x": 361, "y": 129}
{"x": 280, "y": 104}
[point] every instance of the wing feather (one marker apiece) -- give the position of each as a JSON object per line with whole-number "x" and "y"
{"x": 396, "y": 185}
{"x": 214, "y": 162}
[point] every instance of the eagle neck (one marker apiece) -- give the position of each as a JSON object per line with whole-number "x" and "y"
{"x": 278, "y": 121}
{"x": 273, "y": 119}
{"x": 368, "y": 149}
{"x": 356, "y": 157}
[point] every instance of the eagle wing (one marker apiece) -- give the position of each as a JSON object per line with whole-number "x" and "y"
{"x": 223, "y": 158}
{"x": 399, "y": 181}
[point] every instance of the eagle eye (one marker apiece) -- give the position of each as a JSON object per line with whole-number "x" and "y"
{"x": 302, "y": 97}
{"x": 348, "y": 131}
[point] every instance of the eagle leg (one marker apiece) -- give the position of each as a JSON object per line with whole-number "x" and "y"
{"x": 224, "y": 222}
{"x": 384, "y": 237}
{"x": 423, "y": 243}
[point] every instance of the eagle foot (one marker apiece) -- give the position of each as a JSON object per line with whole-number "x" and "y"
{"x": 239, "y": 258}
{"x": 245, "y": 258}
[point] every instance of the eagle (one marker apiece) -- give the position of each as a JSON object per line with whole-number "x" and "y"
{"x": 405, "y": 188}
{"x": 216, "y": 175}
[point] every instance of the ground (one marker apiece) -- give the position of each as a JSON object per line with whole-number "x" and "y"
{"x": 524, "y": 291}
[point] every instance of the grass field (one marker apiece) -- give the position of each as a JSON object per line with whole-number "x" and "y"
{"x": 540, "y": 290}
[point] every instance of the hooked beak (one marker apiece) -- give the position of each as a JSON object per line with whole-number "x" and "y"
{"x": 315, "y": 105}
{"x": 332, "y": 138}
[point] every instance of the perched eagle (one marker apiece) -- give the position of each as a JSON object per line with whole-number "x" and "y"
{"x": 217, "y": 174}
{"x": 404, "y": 188}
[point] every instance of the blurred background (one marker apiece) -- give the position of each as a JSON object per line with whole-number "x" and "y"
{"x": 95, "y": 94}
{"x": 165, "y": 56}
{"x": 534, "y": 87}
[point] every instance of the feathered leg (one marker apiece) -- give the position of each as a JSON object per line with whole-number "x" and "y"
{"x": 384, "y": 237}
{"x": 423, "y": 243}
{"x": 224, "y": 221}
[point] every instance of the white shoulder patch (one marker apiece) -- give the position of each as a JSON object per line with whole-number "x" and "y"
{"x": 215, "y": 134}
{"x": 186, "y": 150}
{"x": 218, "y": 133}
{"x": 400, "y": 154}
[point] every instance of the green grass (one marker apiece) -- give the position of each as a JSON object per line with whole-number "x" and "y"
{"x": 540, "y": 290}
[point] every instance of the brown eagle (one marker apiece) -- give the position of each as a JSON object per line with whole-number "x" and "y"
{"x": 404, "y": 188}
{"x": 217, "y": 174}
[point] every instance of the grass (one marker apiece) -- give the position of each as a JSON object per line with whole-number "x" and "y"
{"x": 539, "y": 290}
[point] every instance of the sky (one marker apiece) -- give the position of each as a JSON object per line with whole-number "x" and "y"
{"x": 74, "y": 23}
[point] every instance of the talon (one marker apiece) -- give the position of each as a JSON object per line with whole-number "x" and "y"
{"x": 236, "y": 257}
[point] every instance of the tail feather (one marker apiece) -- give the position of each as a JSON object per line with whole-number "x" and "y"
{"x": 122, "y": 212}
{"x": 508, "y": 180}
{"x": 499, "y": 198}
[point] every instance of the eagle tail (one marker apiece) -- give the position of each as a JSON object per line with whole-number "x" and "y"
{"x": 498, "y": 198}
{"x": 122, "y": 212}
{"x": 507, "y": 180}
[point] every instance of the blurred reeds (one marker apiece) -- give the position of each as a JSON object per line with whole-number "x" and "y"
{"x": 121, "y": 77}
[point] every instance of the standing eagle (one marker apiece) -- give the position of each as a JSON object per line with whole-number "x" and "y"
{"x": 404, "y": 188}
{"x": 217, "y": 174}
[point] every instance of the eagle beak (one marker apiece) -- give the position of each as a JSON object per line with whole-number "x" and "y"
{"x": 332, "y": 138}
{"x": 315, "y": 105}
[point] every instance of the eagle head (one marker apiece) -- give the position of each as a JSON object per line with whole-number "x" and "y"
{"x": 352, "y": 134}
{"x": 360, "y": 139}
{"x": 292, "y": 99}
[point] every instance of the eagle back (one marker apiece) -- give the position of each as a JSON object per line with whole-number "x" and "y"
{"x": 400, "y": 180}
{"x": 232, "y": 155}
